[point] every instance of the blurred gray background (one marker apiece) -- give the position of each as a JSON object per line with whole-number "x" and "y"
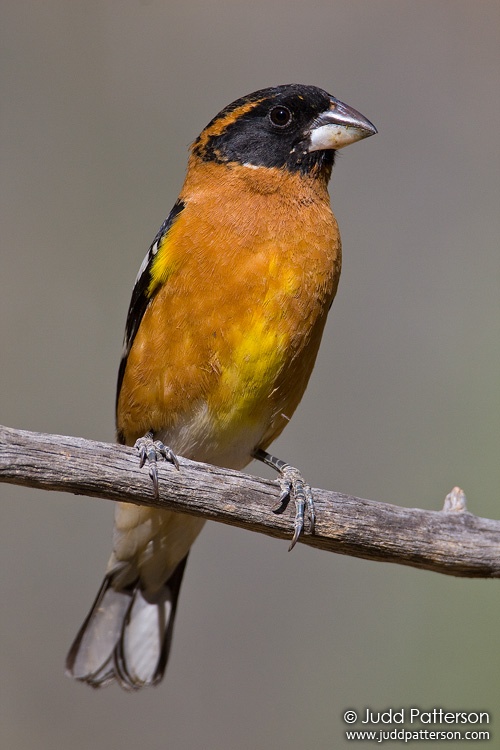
{"x": 100, "y": 101}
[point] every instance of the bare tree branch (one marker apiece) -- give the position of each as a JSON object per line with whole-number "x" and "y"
{"x": 451, "y": 541}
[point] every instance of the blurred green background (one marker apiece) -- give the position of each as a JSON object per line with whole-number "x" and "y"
{"x": 100, "y": 101}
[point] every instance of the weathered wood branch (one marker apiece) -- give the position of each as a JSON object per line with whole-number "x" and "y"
{"x": 451, "y": 541}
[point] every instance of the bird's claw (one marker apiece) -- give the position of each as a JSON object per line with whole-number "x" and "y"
{"x": 152, "y": 451}
{"x": 293, "y": 486}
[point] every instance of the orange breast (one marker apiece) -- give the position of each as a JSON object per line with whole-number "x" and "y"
{"x": 252, "y": 267}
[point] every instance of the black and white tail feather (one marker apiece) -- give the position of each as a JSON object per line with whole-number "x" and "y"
{"x": 126, "y": 637}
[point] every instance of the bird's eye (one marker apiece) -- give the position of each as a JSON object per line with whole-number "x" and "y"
{"x": 280, "y": 116}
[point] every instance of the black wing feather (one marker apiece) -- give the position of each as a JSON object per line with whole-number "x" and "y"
{"x": 140, "y": 297}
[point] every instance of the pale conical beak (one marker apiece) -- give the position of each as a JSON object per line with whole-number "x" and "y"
{"x": 339, "y": 126}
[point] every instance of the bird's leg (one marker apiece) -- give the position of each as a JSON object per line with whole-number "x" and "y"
{"x": 152, "y": 451}
{"x": 292, "y": 486}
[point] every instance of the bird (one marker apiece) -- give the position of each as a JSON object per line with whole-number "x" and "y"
{"x": 223, "y": 329}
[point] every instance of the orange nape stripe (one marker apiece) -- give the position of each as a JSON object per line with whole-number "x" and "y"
{"x": 220, "y": 124}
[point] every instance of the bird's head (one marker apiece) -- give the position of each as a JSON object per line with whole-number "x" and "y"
{"x": 294, "y": 127}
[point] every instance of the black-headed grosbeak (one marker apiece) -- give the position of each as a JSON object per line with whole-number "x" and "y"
{"x": 222, "y": 333}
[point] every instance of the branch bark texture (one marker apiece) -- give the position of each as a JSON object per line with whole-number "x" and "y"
{"x": 451, "y": 541}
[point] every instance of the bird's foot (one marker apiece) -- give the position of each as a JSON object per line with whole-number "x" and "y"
{"x": 293, "y": 487}
{"x": 152, "y": 451}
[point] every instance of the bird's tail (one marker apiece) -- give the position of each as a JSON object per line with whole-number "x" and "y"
{"x": 126, "y": 636}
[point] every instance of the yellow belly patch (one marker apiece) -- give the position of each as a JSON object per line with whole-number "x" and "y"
{"x": 246, "y": 383}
